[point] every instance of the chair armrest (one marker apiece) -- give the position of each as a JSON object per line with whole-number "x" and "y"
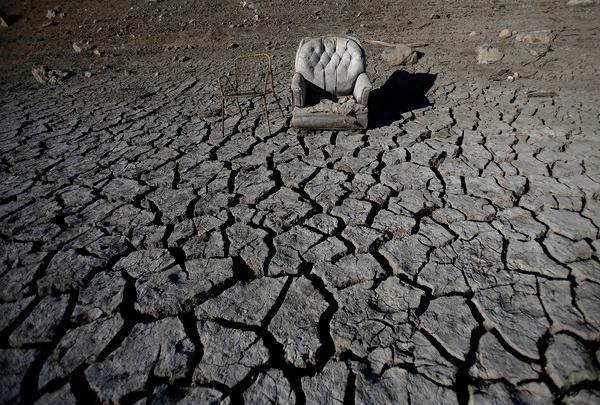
{"x": 362, "y": 89}
{"x": 298, "y": 87}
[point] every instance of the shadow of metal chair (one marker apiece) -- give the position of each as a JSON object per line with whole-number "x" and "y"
{"x": 253, "y": 78}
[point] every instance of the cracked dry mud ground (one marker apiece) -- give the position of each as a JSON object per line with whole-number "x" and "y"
{"x": 449, "y": 256}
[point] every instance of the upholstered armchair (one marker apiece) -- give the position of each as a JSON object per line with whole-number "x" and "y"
{"x": 330, "y": 89}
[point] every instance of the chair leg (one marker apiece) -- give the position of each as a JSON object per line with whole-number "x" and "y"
{"x": 223, "y": 116}
{"x": 266, "y": 113}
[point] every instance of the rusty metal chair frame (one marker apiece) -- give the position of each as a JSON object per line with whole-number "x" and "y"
{"x": 269, "y": 87}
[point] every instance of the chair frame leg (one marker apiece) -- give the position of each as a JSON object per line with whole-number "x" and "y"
{"x": 266, "y": 113}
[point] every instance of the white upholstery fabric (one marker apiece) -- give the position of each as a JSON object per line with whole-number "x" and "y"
{"x": 362, "y": 89}
{"x": 331, "y": 63}
{"x": 298, "y": 90}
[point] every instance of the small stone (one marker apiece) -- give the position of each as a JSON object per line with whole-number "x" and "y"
{"x": 434, "y": 16}
{"x": 472, "y": 33}
{"x": 233, "y": 45}
{"x": 399, "y": 55}
{"x": 3, "y": 22}
{"x": 583, "y": 2}
{"x": 80, "y": 47}
{"x": 505, "y": 33}
{"x": 488, "y": 54}
{"x": 45, "y": 76}
{"x": 536, "y": 37}
{"x": 87, "y": 74}
{"x": 55, "y": 13}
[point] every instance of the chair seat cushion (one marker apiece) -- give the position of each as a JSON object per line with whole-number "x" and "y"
{"x": 344, "y": 105}
{"x": 330, "y": 115}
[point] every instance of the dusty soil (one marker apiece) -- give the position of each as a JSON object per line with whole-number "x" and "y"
{"x": 447, "y": 254}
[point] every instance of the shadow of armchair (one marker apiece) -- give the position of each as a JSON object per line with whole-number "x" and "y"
{"x": 402, "y": 92}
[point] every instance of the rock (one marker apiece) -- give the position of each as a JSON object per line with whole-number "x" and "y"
{"x": 174, "y": 290}
{"x": 536, "y": 37}
{"x": 101, "y": 296}
{"x": 569, "y": 362}
{"x": 530, "y": 257}
{"x": 516, "y": 312}
{"x": 14, "y": 364}
{"x": 229, "y": 354}
{"x": 79, "y": 347}
{"x": 160, "y": 350}
{"x": 147, "y": 261}
{"x": 494, "y": 362}
{"x": 430, "y": 363}
{"x": 434, "y": 16}
{"x": 349, "y": 270}
{"x": 588, "y": 298}
{"x": 204, "y": 395}
{"x": 569, "y": 224}
{"x": 41, "y": 326}
{"x": 488, "y": 54}
{"x": 367, "y": 319}
{"x": 390, "y": 388}
{"x": 583, "y": 2}
{"x": 43, "y": 75}
{"x": 449, "y": 320}
{"x": 55, "y": 13}
{"x": 173, "y": 204}
{"x": 565, "y": 250}
{"x": 327, "y": 386}
{"x": 352, "y": 211}
{"x": 87, "y": 74}
{"x": 80, "y": 47}
{"x": 472, "y": 33}
{"x": 406, "y": 255}
{"x": 584, "y": 396}
{"x": 67, "y": 271}
{"x": 424, "y": 391}
{"x": 554, "y": 295}
{"x": 498, "y": 393}
{"x": 62, "y": 396}
{"x": 296, "y": 324}
{"x": 11, "y": 310}
{"x": 399, "y": 55}
{"x": 3, "y": 22}
{"x": 271, "y": 387}
{"x": 243, "y": 303}
{"x": 505, "y": 33}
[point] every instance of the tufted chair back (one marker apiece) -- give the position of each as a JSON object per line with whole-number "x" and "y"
{"x": 331, "y": 63}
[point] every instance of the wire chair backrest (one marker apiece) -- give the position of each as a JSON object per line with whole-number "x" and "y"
{"x": 253, "y": 73}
